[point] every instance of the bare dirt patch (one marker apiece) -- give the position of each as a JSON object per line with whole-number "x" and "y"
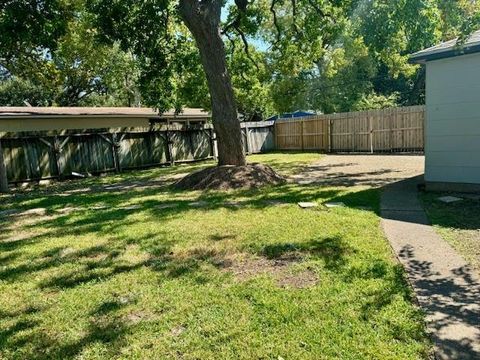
{"x": 280, "y": 269}
{"x": 230, "y": 177}
{"x": 136, "y": 317}
{"x": 244, "y": 266}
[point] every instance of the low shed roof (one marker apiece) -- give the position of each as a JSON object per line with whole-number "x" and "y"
{"x": 448, "y": 49}
{"x": 130, "y": 112}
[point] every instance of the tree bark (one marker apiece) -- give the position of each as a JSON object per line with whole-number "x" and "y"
{"x": 203, "y": 21}
{"x": 3, "y": 173}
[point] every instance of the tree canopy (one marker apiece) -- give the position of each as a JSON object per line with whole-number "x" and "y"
{"x": 322, "y": 55}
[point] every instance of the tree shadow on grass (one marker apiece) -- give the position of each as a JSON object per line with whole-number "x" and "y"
{"x": 88, "y": 220}
{"x": 102, "y": 262}
{"x": 105, "y": 327}
{"x": 461, "y": 215}
{"x": 334, "y": 251}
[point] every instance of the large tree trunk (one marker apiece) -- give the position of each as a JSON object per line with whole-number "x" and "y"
{"x": 203, "y": 21}
{"x": 3, "y": 173}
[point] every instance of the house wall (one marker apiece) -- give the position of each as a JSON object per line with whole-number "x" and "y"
{"x": 452, "y": 143}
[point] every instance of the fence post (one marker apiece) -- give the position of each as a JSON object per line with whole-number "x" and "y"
{"x": 3, "y": 172}
{"x": 116, "y": 155}
{"x": 247, "y": 139}
{"x": 57, "y": 153}
{"x": 330, "y": 135}
{"x": 390, "y": 130}
{"x": 370, "y": 129}
{"x": 302, "y": 134}
{"x": 169, "y": 147}
{"x": 354, "y": 134}
{"x": 275, "y": 135}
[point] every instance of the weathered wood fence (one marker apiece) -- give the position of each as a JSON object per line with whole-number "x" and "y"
{"x": 59, "y": 154}
{"x": 258, "y": 137}
{"x": 385, "y": 130}
{"x": 45, "y": 155}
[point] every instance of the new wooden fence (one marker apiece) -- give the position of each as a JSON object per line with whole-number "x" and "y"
{"x": 44, "y": 155}
{"x": 385, "y": 130}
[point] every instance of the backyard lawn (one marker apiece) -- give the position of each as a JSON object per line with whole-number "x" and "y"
{"x": 125, "y": 267}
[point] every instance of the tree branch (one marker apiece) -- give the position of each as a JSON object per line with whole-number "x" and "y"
{"x": 246, "y": 47}
{"x": 275, "y": 22}
{"x": 236, "y": 25}
{"x": 320, "y": 11}
{"x": 294, "y": 18}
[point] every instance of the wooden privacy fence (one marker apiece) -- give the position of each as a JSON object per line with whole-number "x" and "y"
{"x": 385, "y": 130}
{"x": 56, "y": 154}
{"x": 45, "y": 155}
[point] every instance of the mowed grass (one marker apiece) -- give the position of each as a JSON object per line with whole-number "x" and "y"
{"x": 235, "y": 275}
{"x": 458, "y": 223}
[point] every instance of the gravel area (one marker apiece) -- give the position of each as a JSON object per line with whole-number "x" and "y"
{"x": 367, "y": 170}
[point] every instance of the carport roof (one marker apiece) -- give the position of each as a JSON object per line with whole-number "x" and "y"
{"x": 448, "y": 49}
{"x": 44, "y": 112}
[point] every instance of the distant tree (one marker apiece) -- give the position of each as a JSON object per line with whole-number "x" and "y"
{"x": 29, "y": 31}
{"x": 50, "y": 47}
{"x": 19, "y": 92}
{"x": 367, "y": 57}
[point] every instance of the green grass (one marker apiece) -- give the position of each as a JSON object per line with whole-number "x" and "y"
{"x": 203, "y": 283}
{"x": 458, "y": 223}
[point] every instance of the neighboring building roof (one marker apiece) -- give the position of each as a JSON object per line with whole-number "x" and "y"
{"x": 47, "y": 112}
{"x": 295, "y": 114}
{"x": 448, "y": 49}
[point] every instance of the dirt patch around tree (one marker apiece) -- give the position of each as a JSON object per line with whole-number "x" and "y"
{"x": 231, "y": 177}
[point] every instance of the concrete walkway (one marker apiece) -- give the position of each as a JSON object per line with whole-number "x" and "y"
{"x": 446, "y": 288}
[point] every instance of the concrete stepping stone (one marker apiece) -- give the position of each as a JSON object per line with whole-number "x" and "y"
{"x": 132, "y": 207}
{"x": 305, "y": 182}
{"x": 449, "y": 199}
{"x": 166, "y": 206}
{"x": 198, "y": 204}
{"x": 99, "y": 207}
{"x": 334, "y": 204}
{"x": 307, "y": 205}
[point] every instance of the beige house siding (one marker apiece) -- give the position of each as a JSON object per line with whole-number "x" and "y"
{"x": 452, "y": 144}
{"x": 67, "y": 123}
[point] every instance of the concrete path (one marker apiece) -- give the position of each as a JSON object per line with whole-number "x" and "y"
{"x": 446, "y": 288}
